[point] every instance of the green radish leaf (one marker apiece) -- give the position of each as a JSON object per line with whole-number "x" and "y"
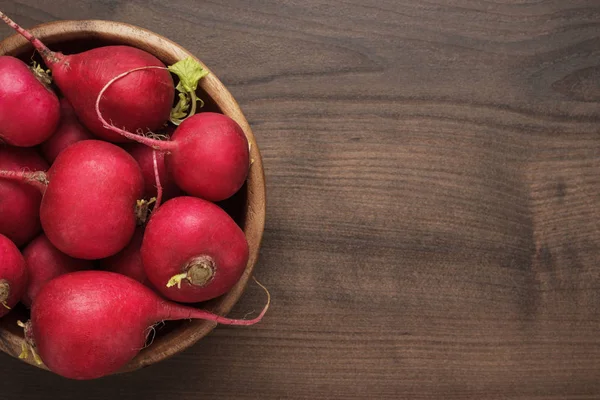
{"x": 42, "y": 75}
{"x": 189, "y": 72}
{"x": 181, "y": 109}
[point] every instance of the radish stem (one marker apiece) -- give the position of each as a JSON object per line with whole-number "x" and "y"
{"x": 48, "y": 55}
{"x": 37, "y": 179}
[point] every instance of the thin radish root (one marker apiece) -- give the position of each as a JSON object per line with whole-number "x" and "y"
{"x": 263, "y": 287}
{"x": 239, "y": 322}
{"x": 219, "y": 165}
{"x": 149, "y": 341}
{"x": 159, "y": 189}
{"x": 155, "y": 144}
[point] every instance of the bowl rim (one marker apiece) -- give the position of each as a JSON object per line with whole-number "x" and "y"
{"x": 191, "y": 331}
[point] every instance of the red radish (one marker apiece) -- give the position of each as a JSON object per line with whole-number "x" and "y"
{"x": 89, "y": 324}
{"x": 88, "y": 208}
{"x": 45, "y": 262}
{"x": 90, "y": 194}
{"x": 137, "y": 103}
{"x": 13, "y": 275}
{"x": 29, "y": 111}
{"x": 69, "y": 131}
{"x": 208, "y": 155}
{"x": 193, "y": 251}
{"x": 128, "y": 262}
{"x": 217, "y": 148}
{"x": 19, "y": 202}
{"x": 143, "y": 156}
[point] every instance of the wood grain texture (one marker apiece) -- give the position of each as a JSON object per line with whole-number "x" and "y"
{"x": 432, "y": 222}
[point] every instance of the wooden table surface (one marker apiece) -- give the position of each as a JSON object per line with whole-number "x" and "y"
{"x": 433, "y": 179}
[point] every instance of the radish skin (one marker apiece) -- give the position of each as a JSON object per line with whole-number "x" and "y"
{"x": 159, "y": 188}
{"x": 29, "y": 111}
{"x": 128, "y": 261}
{"x": 19, "y": 202}
{"x": 208, "y": 154}
{"x": 45, "y": 262}
{"x": 89, "y": 198}
{"x": 144, "y": 156}
{"x": 88, "y": 208}
{"x": 69, "y": 131}
{"x": 13, "y": 275}
{"x": 140, "y": 103}
{"x": 193, "y": 251}
{"x": 89, "y": 324}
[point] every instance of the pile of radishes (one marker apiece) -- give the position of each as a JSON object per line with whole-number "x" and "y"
{"x": 85, "y": 240}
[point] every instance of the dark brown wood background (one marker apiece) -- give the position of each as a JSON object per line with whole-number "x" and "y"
{"x": 433, "y": 178}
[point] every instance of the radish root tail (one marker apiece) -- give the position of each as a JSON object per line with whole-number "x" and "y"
{"x": 159, "y": 188}
{"x": 155, "y": 144}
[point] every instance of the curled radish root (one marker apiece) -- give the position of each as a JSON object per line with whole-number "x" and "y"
{"x": 159, "y": 189}
{"x": 208, "y": 154}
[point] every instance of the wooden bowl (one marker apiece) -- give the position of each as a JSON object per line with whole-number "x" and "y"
{"x": 247, "y": 207}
